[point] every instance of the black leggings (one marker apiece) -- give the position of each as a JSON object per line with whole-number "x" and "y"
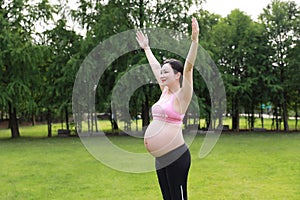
{"x": 172, "y": 172}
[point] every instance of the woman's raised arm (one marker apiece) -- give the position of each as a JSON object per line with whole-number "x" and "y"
{"x": 186, "y": 92}
{"x": 155, "y": 65}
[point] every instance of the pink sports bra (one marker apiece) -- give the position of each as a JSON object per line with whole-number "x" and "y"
{"x": 165, "y": 111}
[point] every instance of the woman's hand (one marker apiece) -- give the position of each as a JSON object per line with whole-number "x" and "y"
{"x": 195, "y": 29}
{"x": 142, "y": 40}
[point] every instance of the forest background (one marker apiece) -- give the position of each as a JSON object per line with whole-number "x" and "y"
{"x": 259, "y": 60}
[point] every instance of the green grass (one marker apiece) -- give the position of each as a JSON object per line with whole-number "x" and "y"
{"x": 105, "y": 125}
{"x": 227, "y": 121}
{"x": 39, "y": 131}
{"x": 258, "y": 124}
{"x": 249, "y": 166}
{"x": 241, "y": 166}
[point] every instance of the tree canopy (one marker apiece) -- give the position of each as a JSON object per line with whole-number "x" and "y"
{"x": 259, "y": 60}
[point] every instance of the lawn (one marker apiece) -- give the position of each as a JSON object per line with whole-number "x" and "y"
{"x": 241, "y": 166}
{"x": 105, "y": 125}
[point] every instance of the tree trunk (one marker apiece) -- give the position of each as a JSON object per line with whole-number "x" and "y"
{"x": 2, "y": 115}
{"x": 296, "y": 117}
{"x": 96, "y": 122}
{"x": 145, "y": 112}
{"x": 235, "y": 115}
{"x": 261, "y": 116}
{"x": 92, "y": 121}
{"x": 277, "y": 120}
{"x": 67, "y": 118}
{"x": 89, "y": 121}
{"x": 208, "y": 120}
{"x": 220, "y": 115}
{"x": 13, "y": 121}
{"x": 33, "y": 119}
{"x": 78, "y": 121}
{"x": 141, "y": 13}
{"x": 285, "y": 113}
{"x": 251, "y": 117}
{"x": 296, "y": 122}
{"x": 49, "y": 122}
{"x": 113, "y": 121}
{"x": 251, "y": 124}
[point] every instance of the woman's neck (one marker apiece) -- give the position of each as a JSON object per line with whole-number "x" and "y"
{"x": 173, "y": 88}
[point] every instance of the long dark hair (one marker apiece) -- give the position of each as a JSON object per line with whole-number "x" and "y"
{"x": 175, "y": 64}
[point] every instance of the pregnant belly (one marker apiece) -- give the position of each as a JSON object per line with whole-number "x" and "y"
{"x": 162, "y": 137}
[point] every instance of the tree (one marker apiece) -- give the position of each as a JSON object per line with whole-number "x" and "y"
{"x": 293, "y": 78}
{"x": 206, "y": 22}
{"x": 235, "y": 44}
{"x": 64, "y": 45}
{"x": 256, "y": 76}
{"x": 95, "y": 17}
{"x": 20, "y": 55}
{"x": 281, "y": 21}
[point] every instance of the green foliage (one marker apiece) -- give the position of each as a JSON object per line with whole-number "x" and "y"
{"x": 259, "y": 61}
{"x": 238, "y": 43}
{"x": 281, "y": 21}
{"x": 19, "y": 55}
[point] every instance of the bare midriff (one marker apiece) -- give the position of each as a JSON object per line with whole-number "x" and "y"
{"x": 162, "y": 137}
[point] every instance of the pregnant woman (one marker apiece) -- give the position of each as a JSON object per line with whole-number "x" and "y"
{"x": 163, "y": 137}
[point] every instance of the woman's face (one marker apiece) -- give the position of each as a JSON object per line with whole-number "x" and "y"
{"x": 167, "y": 75}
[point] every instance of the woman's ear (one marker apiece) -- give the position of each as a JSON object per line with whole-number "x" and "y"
{"x": 178, "y": 75}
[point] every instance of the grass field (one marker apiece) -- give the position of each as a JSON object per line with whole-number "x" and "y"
{"x": 263, "y": 166}
{"x": 105, "y": 125}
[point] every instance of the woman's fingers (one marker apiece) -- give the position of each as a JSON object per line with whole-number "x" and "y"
{"x": 195, "y": 25}
{"x": 142, "y": 39}
{"x": 195, "y": 29}
{"x": 140, "y": 35}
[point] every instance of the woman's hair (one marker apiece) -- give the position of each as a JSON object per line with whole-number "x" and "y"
{"x": 175, "y": 64}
